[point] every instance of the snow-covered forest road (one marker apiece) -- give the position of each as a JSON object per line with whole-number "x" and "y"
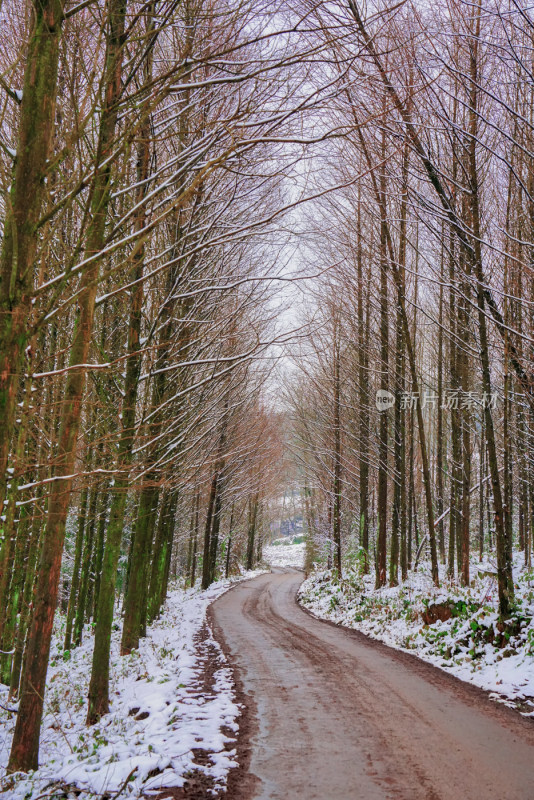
{"x": 333, "y": 714}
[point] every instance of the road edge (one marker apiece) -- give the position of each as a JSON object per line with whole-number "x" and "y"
{"x": 476, "y": 695}
{"x": 241, "y": 783}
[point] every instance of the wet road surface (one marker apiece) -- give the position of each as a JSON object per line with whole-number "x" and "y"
{"x": 333, "y": 715}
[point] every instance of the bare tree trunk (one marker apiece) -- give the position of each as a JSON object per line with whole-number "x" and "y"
{"x": 252, "y": 517}
{"x": 229, "y": 543}
{"x": 482, "y": 472}
{"x": 75, "y": 580}
{"x": 363, "y": 397}
{"x": 24, "y": 206}
{"x": 160, "y": 554}
{"x": 504, "y": 544}
{"x": 465, "y": 424}
{"x": 189, "y": 560}
{"x": 439, "y": 430}
{"x": 110, "y": 552}
{"x": 398, "y": 525}
{"x": 81, "y": 605}
{"x": 383, "y": 438}
{"x": 336, "y": 511}
{"x": 207, "y": 531}
{"x": 25, "y": 747}
{"x": 455, "y": 470}
{"x": 195, "y": 539}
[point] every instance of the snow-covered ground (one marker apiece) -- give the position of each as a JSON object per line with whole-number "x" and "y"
{"x": 283, "y": 553}
{"x": 160, "y": 711}
{"x": 471, "y": 644}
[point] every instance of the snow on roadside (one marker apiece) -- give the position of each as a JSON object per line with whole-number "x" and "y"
{"x": 471, "y": 644}
{"x": 283, "y": 553}
{"x": 160, "y": 711}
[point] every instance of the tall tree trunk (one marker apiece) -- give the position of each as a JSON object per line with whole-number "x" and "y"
{"x": 75, "y": 580}
{"x": 504, "y": 544}
{"x": 141, "y": 547}
{"x": 383, "y": 438}
{"x": 26, "y": 603}
{"x": 398, "y": 523}
{"x": 190, "y": 542}
{"x": 13, "y": 607}
{"x": 105, "y": 585}
{"x": 160, "y": 554}
{"x": 229, "y": 543}
{"x": 98, "y": 556}
{"x": 411, "y": 492}
{"x": 12, "y": 573}
{"x": 207, "y": 531}
{"x": 481, "y": 474}
{"x": 211, "y": 535}
{"x": 252, "y": 517}
{"x": 24, "y": 207}
{"x": 336, "y": 511}
{"x": 25, "y": 746}
{"x": 439, "y": 428}
{"x": 195, "y": 539}
{"x": 81, "y": 605}
{"x": 397, "y": 462}
{"x": 455, "y": 470}
{"x": 214, "y": 543}
{"x": 465, "y": 425}
{"x": 363, "y": 401}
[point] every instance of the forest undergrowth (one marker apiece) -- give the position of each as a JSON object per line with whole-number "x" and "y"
{"x": 163, "y": 726}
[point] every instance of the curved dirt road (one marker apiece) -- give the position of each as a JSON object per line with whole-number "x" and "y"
{"x": 335, "y": 716}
